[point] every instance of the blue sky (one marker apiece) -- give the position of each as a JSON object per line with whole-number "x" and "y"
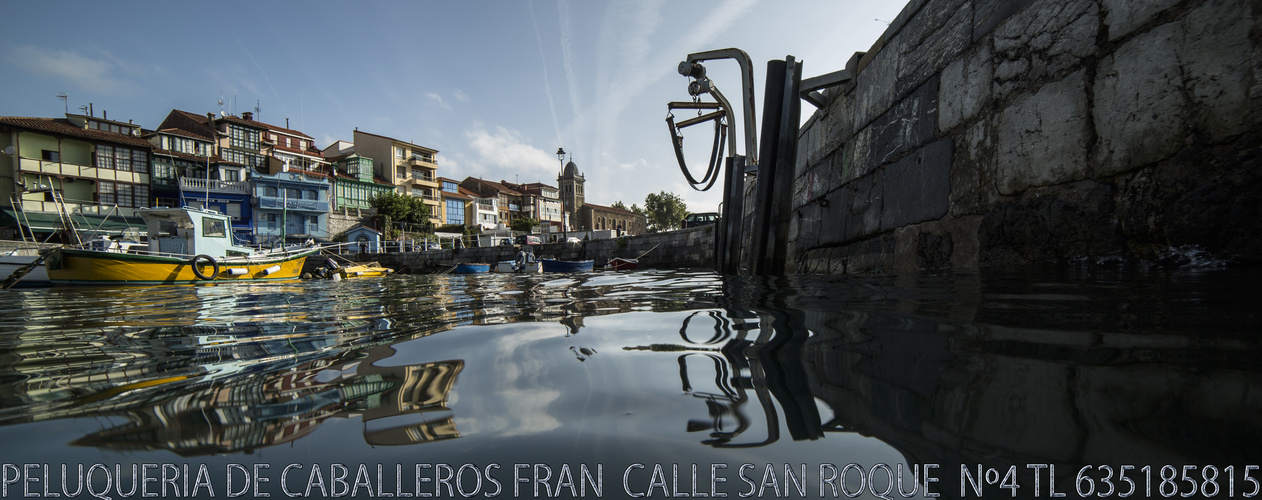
{"x": 495, "y": 86}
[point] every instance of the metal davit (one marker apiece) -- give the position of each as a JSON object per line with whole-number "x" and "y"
{"x": 768, "y": 241}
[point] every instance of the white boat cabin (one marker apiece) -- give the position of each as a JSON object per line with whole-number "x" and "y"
{"x": 190, "y": 231}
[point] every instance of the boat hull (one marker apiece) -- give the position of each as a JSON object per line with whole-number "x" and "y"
{"x": 472, "y": 268}
{"x": 11, "y": 263}
{"x": 566, "y": 266}
{"x": 372, "y": 270}
{"x": 621, "y": 264}
{"x": 92, "y": 267}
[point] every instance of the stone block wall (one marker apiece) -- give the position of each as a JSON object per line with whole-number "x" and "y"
{"x": 685, "y": 248}
{"x": 1002, "y": 133}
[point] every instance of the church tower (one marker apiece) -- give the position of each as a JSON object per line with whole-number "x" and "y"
{"x": 571, "y": 184}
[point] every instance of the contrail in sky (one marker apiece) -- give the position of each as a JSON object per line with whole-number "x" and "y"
{"x": 547, "y": 85}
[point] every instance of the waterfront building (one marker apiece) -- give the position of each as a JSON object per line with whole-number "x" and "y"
{"x": 412, "y": 169}
{"x": 592, "y": 217}
{"x": 542, "y": 203}
{"x": 508, "y": 200}
{"x": 485, "y": 210}
{"x": 97, "y": 167}
{"x": 223, "y": 184}
{"x": 354, "y": 182}
{"x": 571, "y": 182}
{"x": 456, "y": 201}
{"x": 291, "y": 205}
{"x": 291, "y": 147}
{"x": 177, "y": 154}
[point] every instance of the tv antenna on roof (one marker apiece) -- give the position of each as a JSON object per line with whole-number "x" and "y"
{"x": 221, "y": 103}
{"x": 65, "y": 99}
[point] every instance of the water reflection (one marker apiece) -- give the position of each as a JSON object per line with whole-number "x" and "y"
{"x": 999, "y": 370}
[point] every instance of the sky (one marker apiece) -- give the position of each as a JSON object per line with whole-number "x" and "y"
{"x": 495, "y": 86}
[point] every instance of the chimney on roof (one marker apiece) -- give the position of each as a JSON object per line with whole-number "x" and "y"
{"x": 246, "y": 115}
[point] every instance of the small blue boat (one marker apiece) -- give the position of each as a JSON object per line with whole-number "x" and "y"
{"x": 566, "y": 266}
{"x": 472, "y": 268}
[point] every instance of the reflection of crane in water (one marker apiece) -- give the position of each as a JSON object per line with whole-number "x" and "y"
{"x": 765, "y": 368}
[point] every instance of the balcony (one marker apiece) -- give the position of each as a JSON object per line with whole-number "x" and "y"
{"x": 277, "y": 203}
{"x": 422, "y": 175}
{"x": 422, "y": 161}
{"x": 31, "y": 165}
{"x": 193, "y": 184}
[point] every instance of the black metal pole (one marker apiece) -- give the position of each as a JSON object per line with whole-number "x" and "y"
{"x": 773, "y": 103}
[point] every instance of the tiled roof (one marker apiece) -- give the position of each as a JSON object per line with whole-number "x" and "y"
{"x": 283, "y": 129}
{"x": 65, "y": 127}
{"x": 494, "y": 186}
{"x": 307, "y": 152}
{"x": 185, "y": 133}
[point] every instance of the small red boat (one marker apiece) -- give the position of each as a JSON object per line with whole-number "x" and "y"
{"x": 621, "y": 264}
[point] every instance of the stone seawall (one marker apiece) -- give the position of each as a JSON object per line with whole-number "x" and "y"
{"x": 1003, "y": 133}
{"x": 686, "y": 248}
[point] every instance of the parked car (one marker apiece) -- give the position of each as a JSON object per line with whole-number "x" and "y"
{"x": 572, "y": 239}
{"x": 529, "y": 239}
{"x": 700, "y": 219}
{"x": 432, "y": 245}
{"x": 505, "y": 242}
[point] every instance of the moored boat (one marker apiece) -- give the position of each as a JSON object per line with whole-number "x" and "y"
{"x": 621, "y": 264}
{"x": 472, "y": 268}
{"x": 14, "y": 266}
{"x": 185, "y": 245}
{"x": 361, "y": 270}
{"x": 566, "y": 266}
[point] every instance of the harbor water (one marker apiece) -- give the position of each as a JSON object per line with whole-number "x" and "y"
{"x": 657, "y": 384}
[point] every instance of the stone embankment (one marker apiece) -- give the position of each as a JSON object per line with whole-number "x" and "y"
{"x": 1003, "y": 133}
{"x": 686, "y": 248}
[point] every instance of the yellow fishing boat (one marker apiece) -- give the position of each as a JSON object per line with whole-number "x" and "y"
{"x": 186, "y": 245}
{"x": 357, "y": 270}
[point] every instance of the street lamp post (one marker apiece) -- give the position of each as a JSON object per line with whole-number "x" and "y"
{"x": 561, "y": 189}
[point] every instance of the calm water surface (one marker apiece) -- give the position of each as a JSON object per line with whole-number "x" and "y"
{"x": 658, "y": 383}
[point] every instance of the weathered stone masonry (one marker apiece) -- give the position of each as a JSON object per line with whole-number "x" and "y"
{"x": 1010, "y": 132}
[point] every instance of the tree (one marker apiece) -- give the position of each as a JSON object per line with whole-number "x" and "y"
{"x": 665, "y": 211}
{"x": 399, "y": 208}
{"x": 633, "y": 209}
{"x": 524, "y": 224}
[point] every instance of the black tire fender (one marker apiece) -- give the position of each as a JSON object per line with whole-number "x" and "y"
{"x": 202, "y": 260}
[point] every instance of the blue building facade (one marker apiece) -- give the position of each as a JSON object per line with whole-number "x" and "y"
{"x": 290, "y": 207}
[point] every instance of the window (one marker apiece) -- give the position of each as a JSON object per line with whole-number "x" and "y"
{"x": 270, "y": 191}
{"x": 105, "y": 157}
{"x": 231, "y": 175}
{"x": 450, "y": 187}
{"x": 243, "y": 138}
{"x": 122, "y": 159}
{"x": 214, "y": 228}
{"x": 400, "y": 153}
{"x": 455, "y": 211}
{"x": 49, "y": 155}
{"x": 311, "y": 194}
{"x": 139, "y": 161}
{"x": 293, "y": 193}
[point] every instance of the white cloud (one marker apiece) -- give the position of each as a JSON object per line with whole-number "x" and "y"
{"x": 442, "y": 103}
{"x": 73, "y": 67}
{"x": 460, "y": 95}
{"x": 504, "y": 152}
